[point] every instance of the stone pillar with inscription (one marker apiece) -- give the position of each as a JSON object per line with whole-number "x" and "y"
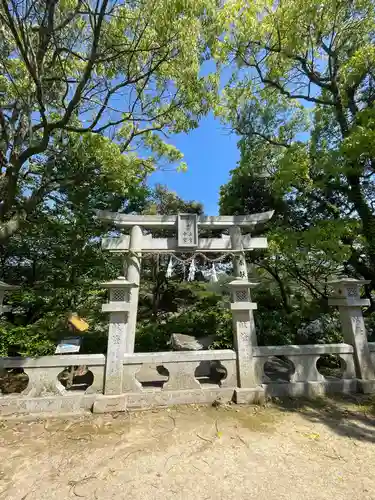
{"x": 248, "y": 390}
{"x": 347, "y": 298}
{"x": 118, "y": 307}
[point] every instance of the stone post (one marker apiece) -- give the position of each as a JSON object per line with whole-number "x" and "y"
{"x": 133, "y": 276}
{"x": 244, "y": 340}
{"x": 118, "y": 309}
{"x": 347, "y": 298}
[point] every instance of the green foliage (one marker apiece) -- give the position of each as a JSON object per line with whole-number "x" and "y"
{"x": 84, "y": 93}
{"x": 301, "y": 97}
{"x": 108, "y": 80}
{"x": 370, "y": 327}
{"x": 24, "y": 341}
{"x": 58, "y": 262}
{"x": 206, "y": 317}
{"x": 60, "y": 266}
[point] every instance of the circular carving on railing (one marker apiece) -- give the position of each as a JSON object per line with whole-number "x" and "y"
{"x": 278, "y": 369}
{"x": 76, "y": 378}
{"x": 13, "y": 380}
{"x": 331, "y": 366}
{"x": 152, "y": 376}
{"x": 210, "y": 372}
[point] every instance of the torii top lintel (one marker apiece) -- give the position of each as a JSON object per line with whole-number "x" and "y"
{"x": 204, "y": 221}
{"x": 187, "y": 226}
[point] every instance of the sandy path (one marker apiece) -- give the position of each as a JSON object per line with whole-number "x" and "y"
{"x": 192, "y": 453}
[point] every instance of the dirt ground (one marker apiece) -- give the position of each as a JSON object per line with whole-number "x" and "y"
{"x": 294, "y": 451}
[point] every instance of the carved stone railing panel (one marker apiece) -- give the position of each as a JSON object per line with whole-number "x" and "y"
{"x": 130, "y": 382}
{"x": 43, "y": 372}
{"x": 349, "y": 366}
{"x": 231, "y": 379}
{"x": 304, "y": 359}
{"x": 97, "y": 386}
{"x": 181, "y": 368}
{"x": 259, "y": 375}
{"x": 181, "y": 376}
{"x": 43, "y": 382}
{"x": 305, "y": 369}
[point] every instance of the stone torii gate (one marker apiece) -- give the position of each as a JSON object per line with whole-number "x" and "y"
{"x": 187, "y": 240}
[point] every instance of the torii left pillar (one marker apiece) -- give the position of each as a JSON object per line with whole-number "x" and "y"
{"x": 133, "y": 276}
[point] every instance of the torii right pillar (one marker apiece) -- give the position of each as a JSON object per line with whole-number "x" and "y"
{"x": 347, "y": 298}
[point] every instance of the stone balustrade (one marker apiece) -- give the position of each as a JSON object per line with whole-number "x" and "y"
{"x": 122, "y": 379}
{"x": 304, "y": 377}
{"x": 43, "y": 372}
{"x": 182, "y": 384}
{"x": 177, "y": 379}
{"x": 181, "y": 368}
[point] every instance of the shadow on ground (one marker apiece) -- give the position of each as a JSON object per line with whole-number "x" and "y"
{"x": 349, "y": 416}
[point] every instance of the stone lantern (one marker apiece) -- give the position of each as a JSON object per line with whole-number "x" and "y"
{"x": 118, "y": 308}
{"x": 347, "y": 293}
{"x": 348, "y": 299}
{"x": 4, "y": 287}
{"x": 241, "y": 298}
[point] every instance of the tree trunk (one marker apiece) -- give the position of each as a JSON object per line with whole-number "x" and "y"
{"x": 365, "y": 214}
{"x": 279, "y": 281}
{"x": 11, "y": 226}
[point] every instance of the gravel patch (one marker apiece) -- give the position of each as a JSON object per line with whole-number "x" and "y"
{"x": 311, "y": 451}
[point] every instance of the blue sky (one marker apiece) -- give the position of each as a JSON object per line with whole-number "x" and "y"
{"x": 210, "y": 152}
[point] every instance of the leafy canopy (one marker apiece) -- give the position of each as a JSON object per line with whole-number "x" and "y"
{"x": 302, "y": 99}
{"x": 117, "y": 76}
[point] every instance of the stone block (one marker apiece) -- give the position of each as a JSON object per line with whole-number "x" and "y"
{"x": 245, "y": 396}
{"x": 104, "y": 404}
{"x": 182, "y": 342}
{"x": 311, "y": 389}
{"x": 181, "y": 376}
{"x": 160, "y": 358}
{"x": 167, "y": 398}
{"x": 53, "y": 404}
{"x": 366, "y": 386}
{"x": 302, "y": 350}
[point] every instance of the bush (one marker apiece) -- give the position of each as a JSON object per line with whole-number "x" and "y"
{"x": 24, "y": 341}
{"x": 207, "y": 317}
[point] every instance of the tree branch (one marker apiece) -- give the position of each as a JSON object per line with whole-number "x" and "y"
{"x": 275, "y": 84}
{"x": 87, "y": 72}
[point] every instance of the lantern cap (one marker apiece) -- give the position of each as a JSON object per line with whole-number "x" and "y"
{"x": 121, "y": 281}
{"x": 241, "y": 283}
{"x": 5, "y": 286}
{"x": 348, "y": 281}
